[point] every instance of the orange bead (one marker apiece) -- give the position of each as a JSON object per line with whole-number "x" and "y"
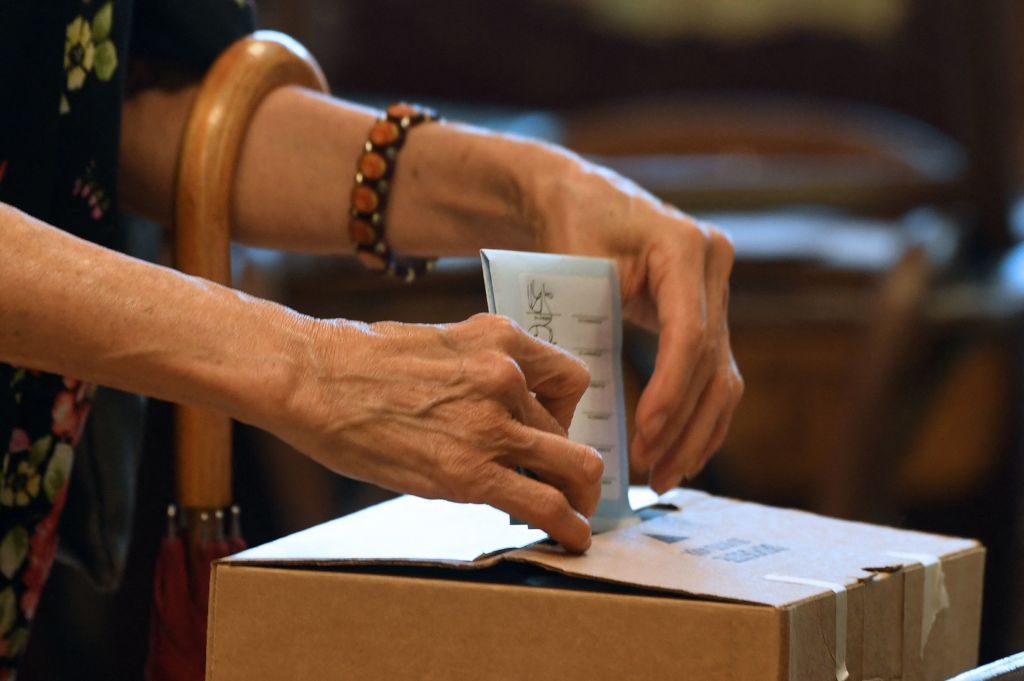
{"x": 364, "y": 199}
{"x": 401, "y": 110}
{"x": 371, "y": 261}
{"x": 372, "y": 165}
{"x": 362, "y": 232}
{"x": 383, "y": 133}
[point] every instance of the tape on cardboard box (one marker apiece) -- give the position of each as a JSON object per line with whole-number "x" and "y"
{"x": 842, "y": 674}
{"x": 935, "y": 597}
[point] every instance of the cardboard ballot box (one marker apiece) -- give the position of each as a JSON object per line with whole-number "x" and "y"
{"x": 701, "y": 588}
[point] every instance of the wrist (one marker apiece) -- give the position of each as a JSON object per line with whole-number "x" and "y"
{"x": 270, "y": 365}
{"x": 579, "y": 207}
{"x": 555, "y": 188}
{"x": 459, "y": 189}
{"x": 327, "y": 368}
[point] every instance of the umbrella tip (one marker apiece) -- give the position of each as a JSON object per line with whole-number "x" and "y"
{"x": 172, "y": 520}
{"x": 204, "y": 527}
{"x": 236, "y": 522}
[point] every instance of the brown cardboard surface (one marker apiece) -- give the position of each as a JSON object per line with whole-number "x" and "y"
{"x": 684, "y": 592}
{"x": 358, "y": 626}
{"x": 883, "y": 627}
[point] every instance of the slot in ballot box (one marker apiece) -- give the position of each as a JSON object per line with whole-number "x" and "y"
{"x": 700, "y": 587}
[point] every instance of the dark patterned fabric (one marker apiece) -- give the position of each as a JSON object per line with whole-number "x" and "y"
{"x": 62, "y": 80}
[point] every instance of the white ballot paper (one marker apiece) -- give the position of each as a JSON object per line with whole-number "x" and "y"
{"x": 574, "y": 303}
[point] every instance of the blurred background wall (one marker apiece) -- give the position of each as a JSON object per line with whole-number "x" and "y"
{"x": 863, "y": 156}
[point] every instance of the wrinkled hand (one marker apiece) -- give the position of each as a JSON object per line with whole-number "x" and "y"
{"x": 674, "y": 274}
{"x": 448, "y": 412}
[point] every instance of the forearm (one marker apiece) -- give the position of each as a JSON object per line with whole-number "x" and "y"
{"x": 74, "y": 308}
{"x": 456, "y": 189}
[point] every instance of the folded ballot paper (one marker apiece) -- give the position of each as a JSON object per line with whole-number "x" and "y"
{"x": 574, "y": 303}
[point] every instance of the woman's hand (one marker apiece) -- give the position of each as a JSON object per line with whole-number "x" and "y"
{"x": 449, "y": 412}
{"x": 674, "y": 274}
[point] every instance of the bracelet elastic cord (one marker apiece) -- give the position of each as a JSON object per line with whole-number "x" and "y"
{"x": 374, "y": 172}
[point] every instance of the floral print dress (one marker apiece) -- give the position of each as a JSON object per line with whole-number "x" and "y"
{"x": 62, "y": 82}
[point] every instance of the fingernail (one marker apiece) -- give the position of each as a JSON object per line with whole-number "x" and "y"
{"x": 666, "y": 483}
{"x": 590, "y": 535}
{"x": 693, "y": 471}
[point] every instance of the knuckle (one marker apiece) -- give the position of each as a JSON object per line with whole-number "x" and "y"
{"x": 481, "y": 490}
{"x": 479, "y": 320}
{"x": 483, "y": 318}
{"x": 739, "y": 386}
{"x": 504, "y": 372}
{"x": 728, "y": 384}
{"x": 578, "y": 375}
{"x": 695, "y": 334}
{"x": 503, "y": 328}
{"x": 592, "y": 466}
{"x": 497, "y": 329}
{"x": 695, "y": 240}
{"x": 711, "y": 346}
{"x": 495, "y": 371}
{"x": 722, "y": 245}
{"x": 691, "y": 225}
{"x": 509, "y": 436}
{"x": 462, "y": 476}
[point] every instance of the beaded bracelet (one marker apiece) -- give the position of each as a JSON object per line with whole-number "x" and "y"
{"x": 374, "y": 172}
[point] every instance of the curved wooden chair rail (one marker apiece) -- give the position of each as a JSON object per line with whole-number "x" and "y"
{"x": 230, "y": 93}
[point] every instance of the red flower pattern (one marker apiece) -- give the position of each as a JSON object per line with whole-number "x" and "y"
{"x": 89, "y": 190}
{"x": 70, "y": 410}
{"x": 42, "y": 551}
{"x": 19, "y": 441}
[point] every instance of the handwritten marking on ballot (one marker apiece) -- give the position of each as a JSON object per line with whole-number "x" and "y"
{"x": 538, "y": 300}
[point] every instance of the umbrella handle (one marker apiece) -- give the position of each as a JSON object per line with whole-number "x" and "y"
{"x": 230, "y": 93}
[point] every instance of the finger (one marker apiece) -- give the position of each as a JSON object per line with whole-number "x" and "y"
{"x": 558, "y": 378}
{"x": 717, "y": 440}
{"x": 535, "y": 415}
{"x": 676, "y": 282}
{"x": 572, "y": 468}
{"x": 724, "y": 421}
{"x": 683, "y": 458}
{"x": 702, "y": 345}
{"x": 506, "y": 382}
{"x": 678, "y": 421}
{"x": 509, "y": 386}
{"x": 541, "y": 506}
